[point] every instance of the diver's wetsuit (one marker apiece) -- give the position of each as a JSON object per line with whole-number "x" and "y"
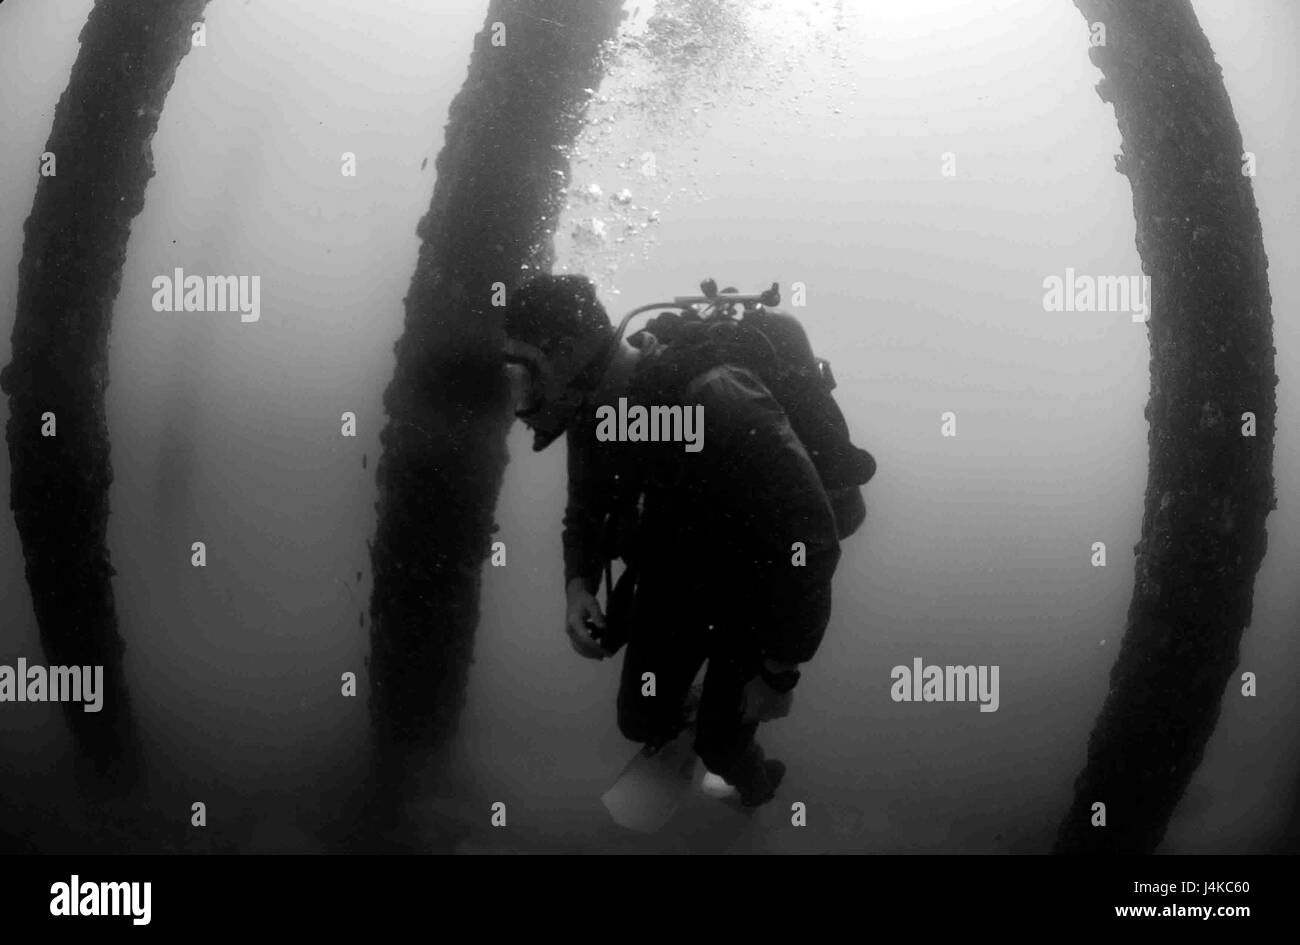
{"x": 715, "y": 555}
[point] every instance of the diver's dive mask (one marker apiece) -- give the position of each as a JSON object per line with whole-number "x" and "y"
{"x": 561, "y": 377}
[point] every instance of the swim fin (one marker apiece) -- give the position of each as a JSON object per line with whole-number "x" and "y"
{"x": 652, "y": 786}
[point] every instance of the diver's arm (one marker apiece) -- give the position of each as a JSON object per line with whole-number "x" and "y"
{"x": 583, "y": 515}
{"x": 583, "y": 519}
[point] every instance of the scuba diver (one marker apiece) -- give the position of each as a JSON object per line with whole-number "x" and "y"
{"x": 729, "y": 550}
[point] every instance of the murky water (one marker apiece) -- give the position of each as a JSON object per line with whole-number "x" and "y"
{"x": 799, "y": 142}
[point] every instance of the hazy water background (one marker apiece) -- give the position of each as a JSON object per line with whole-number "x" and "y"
{"x": 925, "y": 293}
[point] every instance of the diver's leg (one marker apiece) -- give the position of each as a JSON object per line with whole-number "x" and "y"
{"x": 660, "y": 641}
{"x": 723, "y": 740}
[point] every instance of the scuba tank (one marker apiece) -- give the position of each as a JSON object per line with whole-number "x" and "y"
{"x": 702, "y": 332}
{"x": 747, "y": 330}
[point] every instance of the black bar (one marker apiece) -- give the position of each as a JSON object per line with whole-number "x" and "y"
{"x": 334, "y": 895}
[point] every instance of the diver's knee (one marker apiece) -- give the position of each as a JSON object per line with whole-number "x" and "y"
{"x": 636, "y": 726}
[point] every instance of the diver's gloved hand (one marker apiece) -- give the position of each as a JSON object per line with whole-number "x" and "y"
{"x": 583, "y": 607}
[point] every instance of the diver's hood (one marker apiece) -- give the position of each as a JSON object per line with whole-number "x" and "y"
{"x": 559, "y": 384}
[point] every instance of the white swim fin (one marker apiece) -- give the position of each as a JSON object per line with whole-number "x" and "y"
{"x": 652, "y": 786}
